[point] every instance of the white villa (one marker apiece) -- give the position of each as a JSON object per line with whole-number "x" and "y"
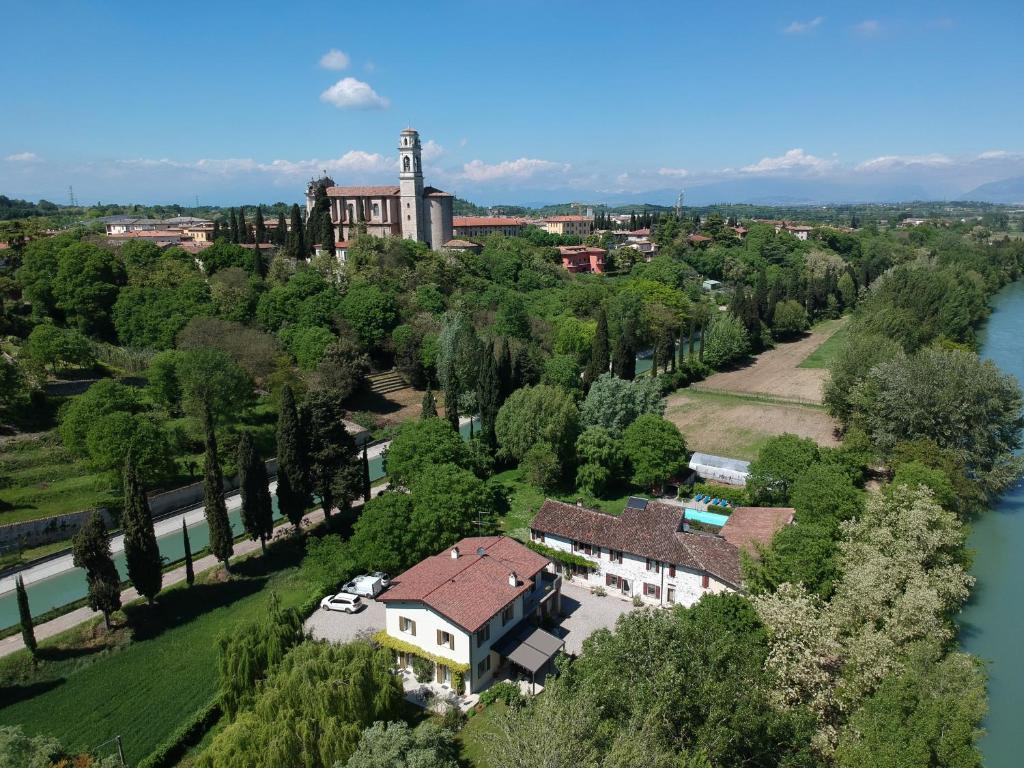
{"x": 468, "y": 611}
{"x": 651, "y": 552}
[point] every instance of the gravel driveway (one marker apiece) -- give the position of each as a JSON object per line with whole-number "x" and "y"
{"x": 341, "y": 627}
{"x": 587, "y": 613}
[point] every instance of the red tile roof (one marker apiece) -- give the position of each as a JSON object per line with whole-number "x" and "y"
{"x": 749, "y": 526}
{"x": 567, "y": 218}
{"x": 576, "y": 250}
{"x": 698, "y": 238}
{"x": 486, "y": 221}
{"x": 457, "y": 243}
{"x": 471, "y": 588}
{"x": 362, "y": 191}
{"x": 655, "y": 532}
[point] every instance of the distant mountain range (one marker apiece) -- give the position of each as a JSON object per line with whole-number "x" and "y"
{"x": 1005, "y": 191}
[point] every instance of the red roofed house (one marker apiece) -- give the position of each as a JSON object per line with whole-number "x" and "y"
{"x": 470, "y": 605}
{"x": 649, "y": 551}
{"x": 481, "y": 226}
{"x": 583, "y": 258}
{"x": 408, "y": 209}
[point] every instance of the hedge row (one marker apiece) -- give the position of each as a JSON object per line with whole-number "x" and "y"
{"x": 566, "y": 558}
{"x": 735, "y": 496}
{"x": 190, "y": 733}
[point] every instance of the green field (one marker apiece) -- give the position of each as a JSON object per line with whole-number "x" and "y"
{"x": 525, "y": 500}
{"x": 823, "y": 355}
{"x": 142, "y": 688}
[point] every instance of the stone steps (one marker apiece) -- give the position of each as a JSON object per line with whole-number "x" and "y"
{"x": 383, "y": 383}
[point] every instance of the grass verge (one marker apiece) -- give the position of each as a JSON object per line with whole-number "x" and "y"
{"x": 823, "y": 356}
{"x": 474, "y": 738}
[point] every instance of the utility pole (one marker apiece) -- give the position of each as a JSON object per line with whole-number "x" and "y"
{"x": 71, "y": 196}
{"x": 679, "y": 205}
{"x": 120, "y": 752}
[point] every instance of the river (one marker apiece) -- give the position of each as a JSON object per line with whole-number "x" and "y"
{"x": 992, "y": 624}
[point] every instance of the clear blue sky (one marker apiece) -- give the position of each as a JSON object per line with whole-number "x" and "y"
{"x": 161, "y": 101}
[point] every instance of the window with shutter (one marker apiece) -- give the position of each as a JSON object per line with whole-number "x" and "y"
{"x": 704, "y": 581}
{"x": 671, "y": 570}
{"x": 608, "y": 579}
{"x": 657, "y": 592}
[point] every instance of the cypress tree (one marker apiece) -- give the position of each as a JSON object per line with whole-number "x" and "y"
{"x": 28, "y": 631}
{"x": 292, "y": 484}
{"x": 92, "y": 553}
{"x": 504, "y": 368}
{"x": 243, "y": 229}
{"x": 296, "y": 240}
{"x": 257, "y": 508}
{"x": 366, "y": 476}
{"x": 700, "y": 350}
{"x": 259, "y": 266}
{"x": 488, "y": 394}
{"x": 624, "y": 360}
{"x": 141, "y": 552}
{"x": 334, "y": 470}
{"x": 222, "y": 543}
{"x": 216, "y": 230}
{"x": 451, "y": 396}
{"x": 190, "y": 573}
{"x": 234, "y": 226}
{"x": 259, "y": 227}
{"x": 429, "y": 408}
{"x": 281, "y": 231}
{"x": 692, "y": 339}
{"x": 599, "y": 354}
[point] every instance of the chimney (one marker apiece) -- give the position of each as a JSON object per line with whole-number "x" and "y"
{"x": 455, "y": 553}
{"x": 513, "y": 580}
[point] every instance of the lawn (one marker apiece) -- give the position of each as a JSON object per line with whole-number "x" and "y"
{"x": 474, "y": 737}
{"x": 525, "y": 500}
{"x": 823, "y": 356}
{"x": 152, "y": 678}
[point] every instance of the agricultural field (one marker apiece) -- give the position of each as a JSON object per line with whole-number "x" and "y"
{"x": 738, "y": 425}
{"x": 823, "y": 356}
{"x": 159, "y": 669}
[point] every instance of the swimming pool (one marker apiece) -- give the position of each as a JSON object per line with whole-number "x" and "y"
{"x": 701, "y": 516}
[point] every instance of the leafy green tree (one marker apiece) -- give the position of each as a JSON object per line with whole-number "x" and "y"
{"x": 614, "y": 403}
{"x": 330, "y": 691}
{"x": 104, "y": 397}
{"x": 253, "y": 484}
{"x": 222, "y": 543}
{"x": 860, "y": 353}
{"x": 914, "y": 473}
{"x": 537, "y": 414}
{"x": 824, "y": 494}
{"x": 724, "y": 340}
{"x": 293, "y": 491}
{"x": 449, "y": 503}
{"x": 28, "y": 632}
{"x": 190, "y": 574}
{"x": 488, "y": 396}
{"x": 396, "y": 745}
{"x": 56, "y": 348}
{"x": 111, "y": 435}
{"x": 334, "y": 467}
{"x": 420, "y": 445}
{"x": 91, "y": 551}
{"x": 367, "y": 489}
{"x": 159, "y": 301}
{"x": 308, "y": 344}
{"x": 576, "y": 338}
{"x": 562, "y": 371}
{"x": 221, "y": 256}
{"x": 541, "y": 466}
{"x": 329, "y": 561}
{"x": 428, "y": 410}
{"x": 213, "y": 385}
{"x": 799, "y": 554}
{"x": 295, "y": 245}
{"x": 12, "y": 384}
{"x": 627, "y": 341}
{"x": 86, "y": 285}
{"x": 382, "y": 538}
{"x": 162, "y": 378}
{"x": 655, "y": 449}
{"x": 142, "y": 553}
{"x": 20, "y": 751}
{"x": 511, "y": 319}
{"x": 789, "y": 319}
{"x": 780, "y": 462}
{"x": 342, "y": 369}
{"x": 371, "y": 311}
{"x": 601, "y": 460}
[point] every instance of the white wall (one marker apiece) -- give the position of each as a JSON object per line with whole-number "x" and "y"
{"x": 428, "y": 622}
{"x": 687, "y": 582}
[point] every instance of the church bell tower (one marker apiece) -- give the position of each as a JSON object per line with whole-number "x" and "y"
{"x": 410, "y": 182}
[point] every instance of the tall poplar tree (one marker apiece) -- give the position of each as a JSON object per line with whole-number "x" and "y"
{"x": 429, "y": 408}
{"x": 293, "y": 494}
{"x": 488, "y": 397}
{"x": 91, "y": 552}
{"x": 335, "y": 470}
{"x": 259, "y": 226}
{"x": 257, "y": 508}
{"x": 599, "y": 350}
{"x": 190, "y": 572}
{"x": 222, "y": 543}
{"x": 451, "y": 395}
{"x": 28, "y": 630}
{"x": 141, "y": 552}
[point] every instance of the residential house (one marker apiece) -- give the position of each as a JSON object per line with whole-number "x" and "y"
{"x": 583, "y": 258}
{"x": 469, "y": 610}
{"x": 650, "y": 551}
{"x": 569, "y": 225}
{"x": 481, "y": 226}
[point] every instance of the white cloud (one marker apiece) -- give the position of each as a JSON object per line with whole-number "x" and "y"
{"x": 803, "y": 27}
{"x": 868, "y": 28}
{"x": 676, "y": 173}
{"x": 890, "y": 162}
{"x": 334, "y": 59}
{"x": 432, "y": 150}
{"x": 349, "y": 93}
{"x": 794, "y": 159}
{"x": 22, "y": 157}
{"x": 523, "y": 168}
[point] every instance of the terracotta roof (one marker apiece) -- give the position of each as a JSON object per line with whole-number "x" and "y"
{"x": 654, "y": 532}
{"x": 486, "y": 221}
{"x": 567, "y": 218}
{"x": 435, "y": 192}
{"x": 471, "y": 588}
{"x": 575, "y": 250}
{"x": 749, "y": 526}
{"x": 342, "y": 244}
{"x": 390, "y": 191}
{"x": 456, "y": 243}
{"x": 698, "y": 238}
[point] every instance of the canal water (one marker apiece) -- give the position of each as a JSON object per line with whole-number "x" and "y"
{"x": 66, "y": 587}
{"x": 992, "y": 624}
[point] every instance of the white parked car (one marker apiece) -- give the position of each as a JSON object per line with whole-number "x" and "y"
{"x": 367, "y": 586}
{"x": 343, "y": 601}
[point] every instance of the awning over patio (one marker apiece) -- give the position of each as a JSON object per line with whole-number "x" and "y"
{"x": 529, "y": 647}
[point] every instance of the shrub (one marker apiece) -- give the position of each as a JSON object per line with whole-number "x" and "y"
{"x": 735, "y": 496}
{"x": 423, "y": 669}
{"x": 506, "y": 691}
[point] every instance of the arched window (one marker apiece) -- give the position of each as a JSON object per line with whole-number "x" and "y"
{"x": 405, "y": 163}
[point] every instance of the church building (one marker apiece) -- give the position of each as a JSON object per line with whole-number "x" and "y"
{"x": 408, "y": 210}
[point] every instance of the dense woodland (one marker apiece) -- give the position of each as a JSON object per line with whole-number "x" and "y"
{"x": 843, "y": 652}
